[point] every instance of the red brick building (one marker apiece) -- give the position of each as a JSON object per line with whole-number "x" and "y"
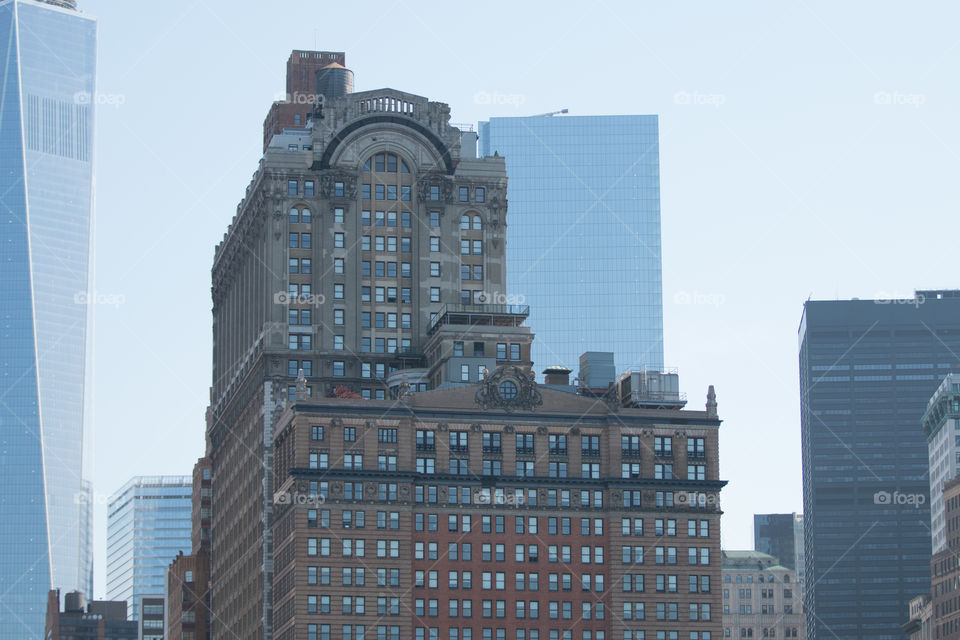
{"x": 188, "y": 579}
{"x": 456, "y": 515}
{"x": 945, "y": 570}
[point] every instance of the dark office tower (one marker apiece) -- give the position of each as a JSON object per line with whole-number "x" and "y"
{"x": 780, "y": 535}
{"x": 48, "y": 57}
{"x": 867, "y": 370}
{"x": 360, "y": 258}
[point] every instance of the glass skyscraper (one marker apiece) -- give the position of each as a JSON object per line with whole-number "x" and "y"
{"x": 867, "y": 370}
{"x": 583, "y": 234}
{"x": 46, "y": 146}
{"x": 148, "y": 524}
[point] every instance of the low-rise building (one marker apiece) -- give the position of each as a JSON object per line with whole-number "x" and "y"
{"x": 920, "y": 624}
{"x": 79, "y": 620}
{"x": 761, "y": 597}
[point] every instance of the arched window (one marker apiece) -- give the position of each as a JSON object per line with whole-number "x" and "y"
{"x": 386, "y": 163}
{"x": 477, "y": 224}
{"x": 464, "y": 222}
{"x": 300, "y": 214}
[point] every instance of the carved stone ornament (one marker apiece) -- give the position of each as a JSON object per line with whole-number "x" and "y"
{"x": 336, "y": 422}
{"x": 575, "y": 431}
{"x": 442, "y": 427}
{"x": 541, "y": 431}
{"x": 277, "y": 224}
{"x": 508, "y": 429}
{"x": 509, "y": 388}
{"x": 680, "y": 433}
{"x": 476, "y": 428}
{"x": 328, "y": 185}
{"x": 437, "y": 180}
{"x": 403, "y": 390}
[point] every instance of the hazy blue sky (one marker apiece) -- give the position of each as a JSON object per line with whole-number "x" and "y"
{"x": 807, "y": 149}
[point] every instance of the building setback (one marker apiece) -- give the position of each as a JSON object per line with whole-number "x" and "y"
{"x": 584, "y": 233}
{"x": 867, "y": 371}
{"x": 480, "y": 512}
{"x": 46, "y": 173}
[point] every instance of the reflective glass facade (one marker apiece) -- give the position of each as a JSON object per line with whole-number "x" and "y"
{"x": 148, "y": 524}
{"x": 867, "y": 370}
{"x": 46, "y": 145}
{"x": 583, "y": 234}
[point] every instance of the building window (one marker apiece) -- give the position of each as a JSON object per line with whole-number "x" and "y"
{"x": 464, "y": 194}
{"x": 338, "y": 368}
{"x": 308, "y": 188}
{"x": 434, "y": 192}
{"x": 480, "y": 194}
{"x": 338, "y": 189}
{"x": 292, "y": 187}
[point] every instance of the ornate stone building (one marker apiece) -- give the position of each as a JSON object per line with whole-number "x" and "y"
{"x": 369, "y": 379}
{"x": 368, "y": 254}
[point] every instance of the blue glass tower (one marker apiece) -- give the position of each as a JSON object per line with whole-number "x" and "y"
{"x": 148, "y": 524}
{"x": 583, "y": 233}
{"x": 47, "y": 50}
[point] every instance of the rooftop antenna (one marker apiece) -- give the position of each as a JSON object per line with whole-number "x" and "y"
{"x": 551, "y": 113}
